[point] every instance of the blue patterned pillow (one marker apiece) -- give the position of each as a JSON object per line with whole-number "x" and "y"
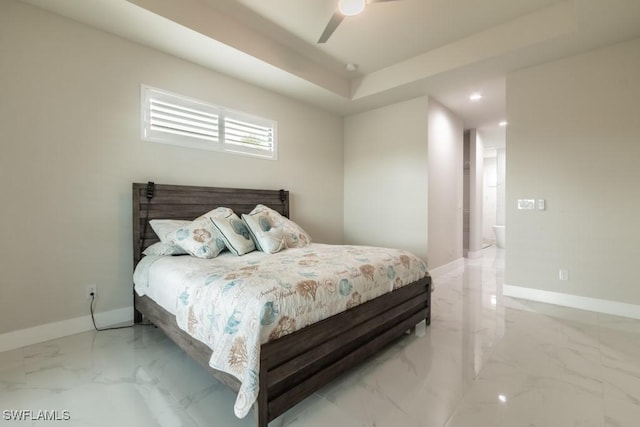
{"x": 294, "y": 235}
{"x": 199, "y": 238}
{"x": 235, "y": 234}
{"x": 267, "y": 235}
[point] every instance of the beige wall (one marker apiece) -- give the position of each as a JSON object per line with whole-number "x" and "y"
{"x": 70, "y": 149}
{"x": 445, "y": 185}
{"x": 385, "y": 178}
{"x": 403, "y": 179}
{"x": 573, "y": 139}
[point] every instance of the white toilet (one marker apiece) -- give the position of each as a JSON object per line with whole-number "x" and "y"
{"x": 498, "y": 230}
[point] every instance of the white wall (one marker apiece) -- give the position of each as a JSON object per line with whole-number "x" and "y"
{"x": 385, "y": 177}
{"x": 489, "y": 197}
{"x": 69, "y": 115}
{"x": 404, "y": 179}
{"x": 573, "y": 139}
{"x": 445, "y": 185}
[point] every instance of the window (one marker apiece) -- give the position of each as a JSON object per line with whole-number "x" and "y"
{"x": 174, "y": 119}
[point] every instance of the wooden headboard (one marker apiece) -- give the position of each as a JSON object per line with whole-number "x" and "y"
{"x": 186, "y": 202}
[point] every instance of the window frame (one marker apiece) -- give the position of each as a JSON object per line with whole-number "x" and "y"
{"x": 219, "y": 142}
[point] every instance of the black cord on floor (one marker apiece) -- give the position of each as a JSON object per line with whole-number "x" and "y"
{"x": 93, "y": 299}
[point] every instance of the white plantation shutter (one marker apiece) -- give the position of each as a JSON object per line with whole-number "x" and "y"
{"x": 242, "y": 132}
{"x": 178, "y": 120}
{"x": 174, "y": 119}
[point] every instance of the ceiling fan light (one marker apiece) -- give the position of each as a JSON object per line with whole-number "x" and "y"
{"x": 351, "y": 7}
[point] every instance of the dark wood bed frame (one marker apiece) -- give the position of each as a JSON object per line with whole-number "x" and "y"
{"x": 296, "y": 365}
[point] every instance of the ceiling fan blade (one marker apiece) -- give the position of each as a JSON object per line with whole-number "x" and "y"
{"x": 335, "y": 20}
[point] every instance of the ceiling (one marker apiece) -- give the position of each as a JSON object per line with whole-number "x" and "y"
{"x": 446, "y": 49}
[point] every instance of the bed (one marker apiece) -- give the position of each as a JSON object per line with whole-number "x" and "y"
{"x": 293, "y": 366}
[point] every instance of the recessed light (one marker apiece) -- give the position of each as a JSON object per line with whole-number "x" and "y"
{"x": 503, "y": 123}
{"x": 475, "y": 96}
{"x": 352, "y": 67}
{"x": 502, "y": 398}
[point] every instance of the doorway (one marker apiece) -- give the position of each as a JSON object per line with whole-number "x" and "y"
{"x": 483, "y": 189}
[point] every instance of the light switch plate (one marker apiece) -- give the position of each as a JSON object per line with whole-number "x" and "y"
{"x": 541, "y": 204}
{"x": 526, "y": 204}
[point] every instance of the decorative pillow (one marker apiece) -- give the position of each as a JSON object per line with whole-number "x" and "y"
{"x": 294, "y": 235}
{"x": 199, "y": 238}
{"x": 163, "y": 227}
{"x": 267, "y": 235}
{"x": 235, "y": 233}
{"x": 163, "y": 248}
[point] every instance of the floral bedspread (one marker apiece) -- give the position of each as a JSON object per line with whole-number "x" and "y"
{"x": 237, "y": 305}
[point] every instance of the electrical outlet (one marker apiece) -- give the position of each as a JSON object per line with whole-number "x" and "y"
{"x": 563, "y": 274}
{"x": 92, "y": 289}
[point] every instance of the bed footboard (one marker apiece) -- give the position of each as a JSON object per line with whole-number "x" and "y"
{"x": 295, "y": 366}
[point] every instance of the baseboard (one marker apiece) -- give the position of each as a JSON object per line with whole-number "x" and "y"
{"x": 614, "y": 308}
{"x": 447, "y": 268}
{"x": 474, "y": 254}
{"x": 50, "y": 331}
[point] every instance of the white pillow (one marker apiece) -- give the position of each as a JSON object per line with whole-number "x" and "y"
{"x": 267, "y": 235}
{"x": 235, "y": 233}
{"x": 163, "y": 227}
{"x": 199, "y": 238}
{"x": 163, "y": 248}
{"x": 294, "y": 235}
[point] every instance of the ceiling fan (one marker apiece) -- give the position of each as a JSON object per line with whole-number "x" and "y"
{"x": 345, "y": 8}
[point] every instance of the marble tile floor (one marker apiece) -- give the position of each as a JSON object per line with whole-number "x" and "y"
{"x": 486, "y": 360}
